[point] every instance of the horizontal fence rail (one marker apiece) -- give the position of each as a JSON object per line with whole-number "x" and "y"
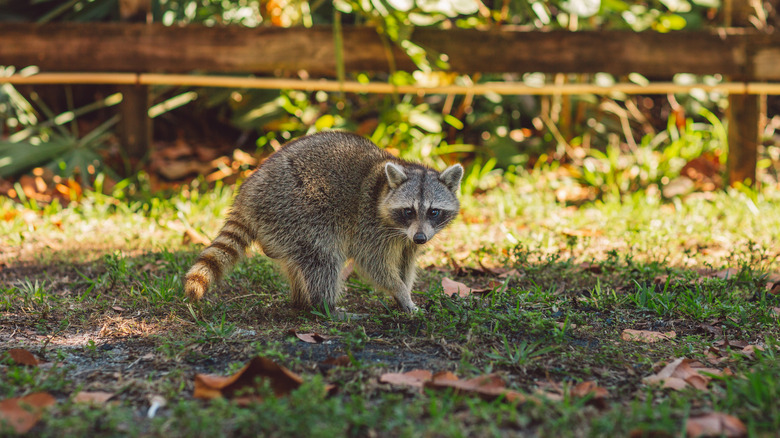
{"x": 502, "y": 88}
{"x": 134, "y": 47}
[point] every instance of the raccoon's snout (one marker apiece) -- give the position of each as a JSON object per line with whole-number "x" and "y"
{"x": 419, "y": 238}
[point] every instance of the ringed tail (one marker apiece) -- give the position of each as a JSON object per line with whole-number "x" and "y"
{"x": 218, "y": 259}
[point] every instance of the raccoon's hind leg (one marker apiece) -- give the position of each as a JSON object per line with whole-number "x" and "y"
{"x": 315, "y": 279}
{"x": 299, "y": 295}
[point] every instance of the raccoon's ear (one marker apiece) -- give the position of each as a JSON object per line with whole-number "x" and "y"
{"x": 395, "y": 174}
{"x": 451, "y": 177}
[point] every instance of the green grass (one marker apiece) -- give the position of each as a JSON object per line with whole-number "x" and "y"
{"x": 99, "y": 298}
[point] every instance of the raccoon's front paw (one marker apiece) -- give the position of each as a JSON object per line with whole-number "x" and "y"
{"x": 406, "y": 304}
{"x": 409, "y": 307}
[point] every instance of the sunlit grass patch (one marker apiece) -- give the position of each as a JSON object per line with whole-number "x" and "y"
{"x": 558, "y": 287}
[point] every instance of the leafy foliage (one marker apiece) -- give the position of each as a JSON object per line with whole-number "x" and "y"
{"x": 611, "y": 146}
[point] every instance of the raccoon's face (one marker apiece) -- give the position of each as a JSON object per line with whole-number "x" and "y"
{"x": 421, "y": 201}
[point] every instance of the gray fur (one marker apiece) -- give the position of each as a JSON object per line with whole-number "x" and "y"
{"x": 329, "y": 197}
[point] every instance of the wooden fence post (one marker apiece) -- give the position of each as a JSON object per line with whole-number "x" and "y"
{"x": 743, "y": 118}
{"x": 743, "y": 113}
{"x": 135, "y": 128}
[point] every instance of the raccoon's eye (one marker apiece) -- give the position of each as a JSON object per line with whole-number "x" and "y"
{"x": 434, "y": 212}
{"x": 408, "y": 212}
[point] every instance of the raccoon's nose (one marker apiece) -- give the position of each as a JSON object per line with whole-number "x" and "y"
{"x": 420, "y": 238}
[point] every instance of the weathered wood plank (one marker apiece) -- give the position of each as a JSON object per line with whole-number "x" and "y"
{"x": 618, "y": 52}
{"x": 156, "y": 48}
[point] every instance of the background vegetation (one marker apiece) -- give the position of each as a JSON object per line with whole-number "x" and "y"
{"x": 597, "y": 146}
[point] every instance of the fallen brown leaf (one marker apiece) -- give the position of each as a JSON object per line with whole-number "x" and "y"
{"x": 310, "y": 338}
{"x": 152, "y": 266}
{"x": 23, "y": 357}
{"x": 712, "y": 329}
{"x": 665, "y": 372}
{"x": 510, "y": 273}
{"x": 341, "y": 361}
{"x": 21, "y": 413}
{"x": 452, "y": 287}
{"x": 727, "y": 273}
{"x": 715, "y": 424}
{"x": 555, "y": 391}
{"x": 553, "y": 395}
{"x": 698, "y": 381}
{"x": 587, "y": 388}
{"x": 723, "y": 349}
{"x": 491, "y": 270}
{"x": 414, "y": 378}
{"x": 675, "y": 383}
{"x": 773, "y": 277}
{"x": 97, "y": 397}
{"x": 282, "y": 381}
{"x": 444, "y": 375}
{"x": 682, "y": 373}
{"x": 598, "y": 395}
{"x": 646, "y": 336}
{"x": 730, "y": 343}
{"x": 773, "y": 288}
{"x": 491, "y": 285}
{"x": 592, "y": 268}
{"x": 750, "y": 351}
{"x": 489, "y": 387}
{"x": 456, "y": 267}
{"x": 714, "y": 355}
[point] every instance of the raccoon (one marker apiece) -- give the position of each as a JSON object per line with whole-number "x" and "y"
{"x": 324, "y": 199}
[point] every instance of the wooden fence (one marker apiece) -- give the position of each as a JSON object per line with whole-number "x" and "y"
{"x": 746, "y": 57}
